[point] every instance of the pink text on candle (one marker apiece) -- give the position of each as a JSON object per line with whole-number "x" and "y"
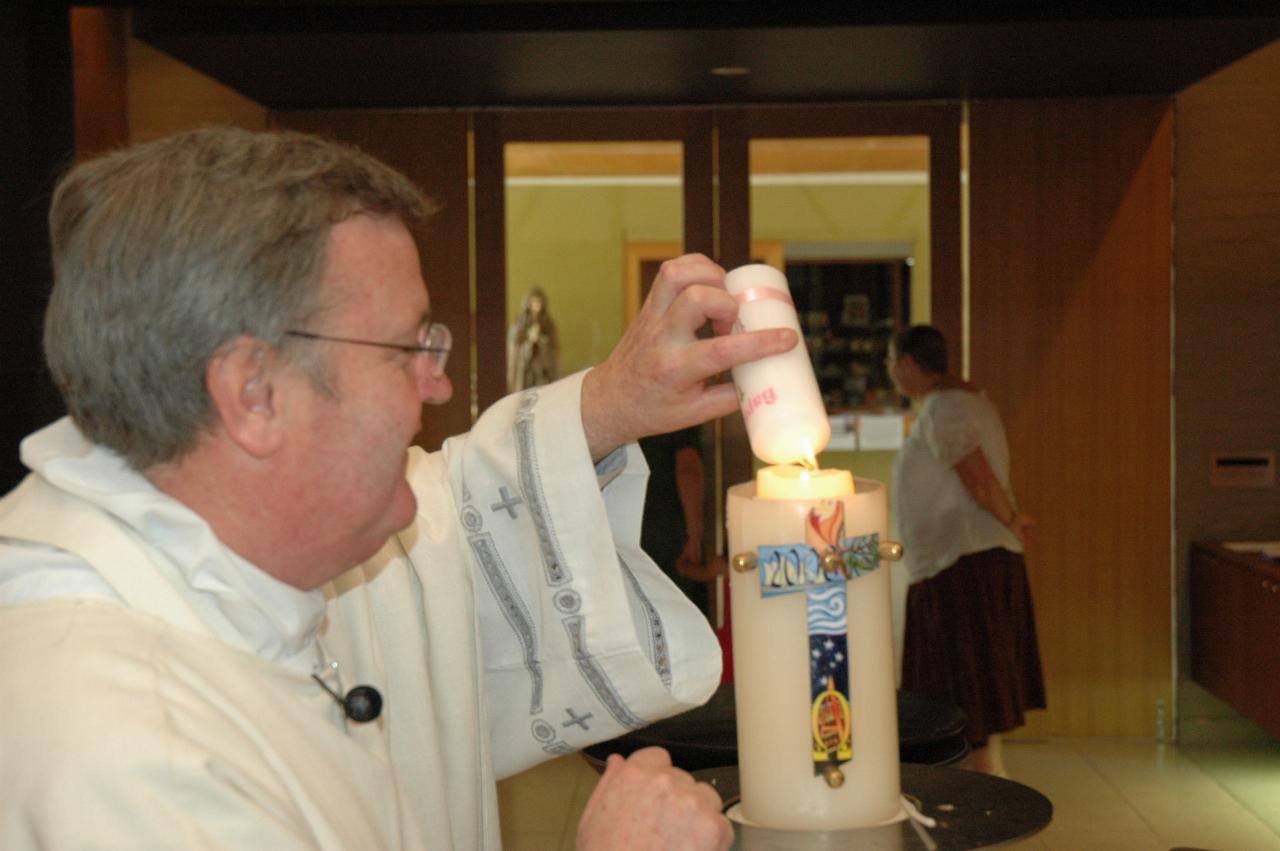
{"x": 764, "y": 397}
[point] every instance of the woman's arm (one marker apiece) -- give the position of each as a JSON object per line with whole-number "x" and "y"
{"x": 980, "y": 480}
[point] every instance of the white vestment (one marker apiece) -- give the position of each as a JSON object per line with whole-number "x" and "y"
{"x": 159, "y": 689}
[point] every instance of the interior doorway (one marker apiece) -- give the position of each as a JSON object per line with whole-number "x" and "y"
{"x": 721, "y": 179}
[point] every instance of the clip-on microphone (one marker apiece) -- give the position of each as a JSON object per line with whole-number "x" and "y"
{"x": 362, "y": 703}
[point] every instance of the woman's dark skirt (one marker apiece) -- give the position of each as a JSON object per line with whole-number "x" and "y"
{"x": 971, "y": 639}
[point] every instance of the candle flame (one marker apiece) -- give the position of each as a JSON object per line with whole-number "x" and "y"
{"x": 808, "y": 460}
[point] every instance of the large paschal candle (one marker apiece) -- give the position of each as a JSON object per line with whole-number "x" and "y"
{"x": 778, "y": 659}
{"x": 781, "y": 404}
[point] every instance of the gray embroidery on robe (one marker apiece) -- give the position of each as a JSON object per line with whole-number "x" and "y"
{"x": 546, "y": 734}
{"x": 575, "y": 718}
{"x": 553, "y": 563}
{"x": 567, "y": 601}
{"x": 595, "y": 677}
{"x": 528, "y": 399}
{"x": 507, "y": 503}
{"x": 504, "y": 590}
{"x": 471, "y": 519}
{"x": 659, "y": 653}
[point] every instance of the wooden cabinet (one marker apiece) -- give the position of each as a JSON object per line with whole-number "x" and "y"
{"x": 1235, "y": 629}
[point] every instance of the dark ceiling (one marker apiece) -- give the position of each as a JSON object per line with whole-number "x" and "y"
{"x": 608, "y": 52}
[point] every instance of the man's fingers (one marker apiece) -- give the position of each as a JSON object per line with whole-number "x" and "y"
{"x": 651, "y": 804}
{"x": 678, "y": 274}
{"x": 651, "y": 757}
{"x": 716, "y": 400}
{"x": 703, "y": 359}
{"x": 717, "y": 354}
{"x": 696, "y": 304}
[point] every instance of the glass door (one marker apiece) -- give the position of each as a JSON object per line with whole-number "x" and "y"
{"x": 575, "y": 212}
{"x": 861, "y": 206}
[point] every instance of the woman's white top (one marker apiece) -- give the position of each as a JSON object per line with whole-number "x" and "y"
{"x": 937, "y": 519}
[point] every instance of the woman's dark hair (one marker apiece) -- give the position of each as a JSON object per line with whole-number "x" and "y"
{"x": 926, "y": 346}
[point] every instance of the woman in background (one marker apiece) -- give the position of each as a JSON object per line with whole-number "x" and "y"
{"x": 970, "y": 634}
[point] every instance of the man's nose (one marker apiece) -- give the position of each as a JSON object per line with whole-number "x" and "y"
{"x": 434, "y": 389}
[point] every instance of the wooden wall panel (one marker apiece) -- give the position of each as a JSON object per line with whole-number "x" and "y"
{"x": 431, "y": 149}
{"x": 1227, "y": 293}
{"x": 100, "y": 72}
{"x": 1070, "y": 317}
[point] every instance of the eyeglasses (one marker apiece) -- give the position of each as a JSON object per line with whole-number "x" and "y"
{"x": 434, "y": 344}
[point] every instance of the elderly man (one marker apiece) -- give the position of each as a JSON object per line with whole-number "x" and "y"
{"x": 221, "y": 564}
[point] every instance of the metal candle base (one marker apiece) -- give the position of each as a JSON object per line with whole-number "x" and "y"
{"x": 779, "y": 786}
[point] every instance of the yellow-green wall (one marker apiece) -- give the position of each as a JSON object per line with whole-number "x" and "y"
{"x": 850, "y": 214}
{"x": 569, "y": 241}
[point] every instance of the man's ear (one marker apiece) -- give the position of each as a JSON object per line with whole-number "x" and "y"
{"x": 239, "y": 379}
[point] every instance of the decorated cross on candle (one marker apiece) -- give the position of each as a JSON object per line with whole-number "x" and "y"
{"x": 820, "y": 567}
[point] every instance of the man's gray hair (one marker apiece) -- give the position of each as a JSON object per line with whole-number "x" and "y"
{"x": 165, "y": 251}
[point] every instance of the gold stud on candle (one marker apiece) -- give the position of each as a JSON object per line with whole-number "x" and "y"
{"x": 744, "y": 562}
{"x": 833, "y": 775}
{"x": 890, "y": 551}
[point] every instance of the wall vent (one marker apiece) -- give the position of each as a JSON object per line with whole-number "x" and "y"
{"x": 1243, "y": 470}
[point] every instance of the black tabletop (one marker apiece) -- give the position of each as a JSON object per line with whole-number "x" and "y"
{"x": 972, "y": 810}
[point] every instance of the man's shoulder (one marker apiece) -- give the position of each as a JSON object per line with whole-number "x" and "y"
{"x": 124, "y": 725}
{"x": 85, "y": 673}
{"x": 32, "y": 571}
{"x": 96, "y": 681}
{"x": 73, "y": 640}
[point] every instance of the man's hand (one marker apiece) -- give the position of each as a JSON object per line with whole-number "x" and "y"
{"x": 655, "y": 379}
{"x": 642, "y": 803}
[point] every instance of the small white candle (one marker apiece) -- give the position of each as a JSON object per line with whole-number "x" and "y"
{"x": 779, "y": 396}
{"x": 771, "y": 662}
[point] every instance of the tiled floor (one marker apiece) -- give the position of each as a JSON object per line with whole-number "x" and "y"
{"x": 1127, "y": 795}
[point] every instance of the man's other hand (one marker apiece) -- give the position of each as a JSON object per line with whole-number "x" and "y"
{"x": 643, "y": 803}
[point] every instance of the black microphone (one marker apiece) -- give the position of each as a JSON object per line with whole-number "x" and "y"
{"x": 362, "y": 703}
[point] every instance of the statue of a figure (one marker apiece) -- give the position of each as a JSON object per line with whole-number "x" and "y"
{"x": 533, "y": 349}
